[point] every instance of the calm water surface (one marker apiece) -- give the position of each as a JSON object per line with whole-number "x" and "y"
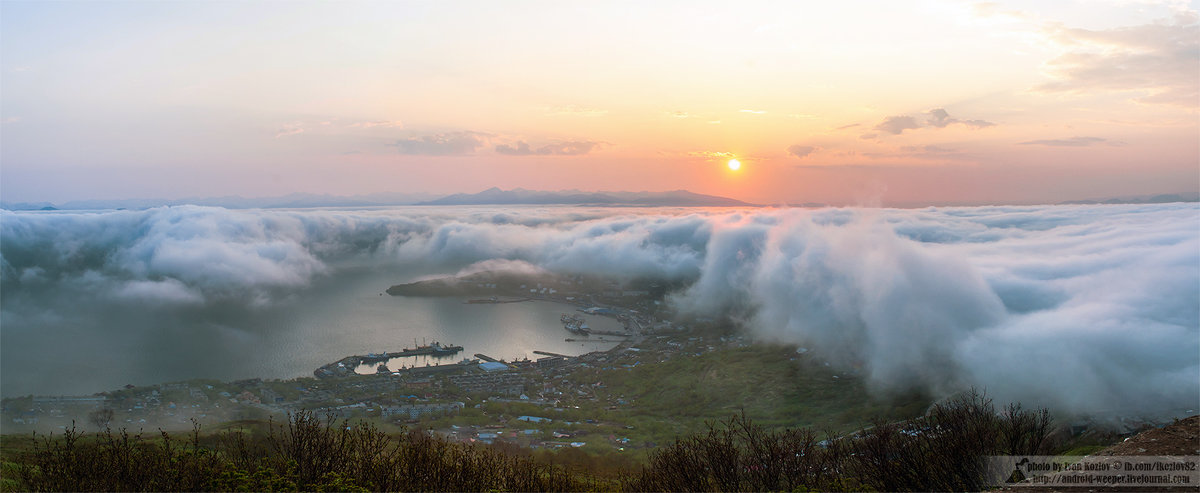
{"x": 336, "y": 317}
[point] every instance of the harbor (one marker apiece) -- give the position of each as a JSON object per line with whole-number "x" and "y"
{"x": 495, "y": 301}
{"x": 349, "y": 365}
{"x": 589, "y": 327}
{"x": 575, "y": 324}
{"x": 436, "y": 349}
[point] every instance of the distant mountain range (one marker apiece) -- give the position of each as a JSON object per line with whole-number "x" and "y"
{"x": 1143, "y": 199}
{"x": 518, "y": 196}
{"x": 294, "y": 200}
{"x": 492, "y": 196}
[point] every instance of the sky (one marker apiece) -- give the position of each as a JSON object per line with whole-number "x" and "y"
{"x": 846, "y": 103}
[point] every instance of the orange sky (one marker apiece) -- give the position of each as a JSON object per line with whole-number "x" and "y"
{"x": 860, "y": 103}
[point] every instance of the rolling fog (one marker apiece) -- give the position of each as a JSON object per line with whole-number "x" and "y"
{"x": 1080, "y": 308}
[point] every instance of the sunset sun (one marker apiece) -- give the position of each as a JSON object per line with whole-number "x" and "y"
{"x": 734, "y": 164}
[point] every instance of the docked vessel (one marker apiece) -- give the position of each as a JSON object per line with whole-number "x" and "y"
{"x": 575, "y": 325}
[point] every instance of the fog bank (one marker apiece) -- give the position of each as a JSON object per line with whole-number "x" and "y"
{"x": 1083, "y": 308}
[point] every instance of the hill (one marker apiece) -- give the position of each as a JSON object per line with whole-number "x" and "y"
{"x": 519, "y": 196}
{"x": 1142, "y": 199}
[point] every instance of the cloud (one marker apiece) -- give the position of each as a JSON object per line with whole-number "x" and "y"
{"x": 928, "y": 149}
{"x": 1157, "y": 63}
{"x": 929, "y": 152}
{"x": 754, "y": 112}
{"x": 319, "y": 124}
{"x": 801, "y": 151}
{"x": 10, "y": 119}
{"x": 1071, "y": 142}
{"x": 711, "y": 154}
{"x": 1159, "y": 60}
{"x": 938, "y": 117}
{"x": 1080, "y": 308}
{"x": 1014, "y": 300}
{"x": 291, "y": 128}
{"x": 567, "y": 148}
{"x": 445, "y": 144}
{"x": 168, "y": 291}
{"x": 678, "y": 114}
{"x": 896, "y": 125}
{"x": 501, "y": 265}
{"x": 378, "y": 124}
{"x": 844, "y": 127}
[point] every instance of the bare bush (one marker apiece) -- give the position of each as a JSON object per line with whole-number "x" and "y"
{"x": 944, "y": 450}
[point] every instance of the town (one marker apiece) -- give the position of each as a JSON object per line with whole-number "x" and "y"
{"x": 664, "y": 379}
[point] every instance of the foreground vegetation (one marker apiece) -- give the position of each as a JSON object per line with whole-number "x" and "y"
{"x": 305, "y": 454}
{"x": 620, "y": 404}
{"x": 943, "y": 450}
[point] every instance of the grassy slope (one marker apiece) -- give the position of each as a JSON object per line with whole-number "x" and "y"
{"x": 772, "y": 384}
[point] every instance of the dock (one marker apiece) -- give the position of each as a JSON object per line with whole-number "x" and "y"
{"x": 575, "y": 324}
{"x": 486, "y": 358}
{"x": 548, "y": 353}
{"x": 494, "y": 301}
{"x": 609, "y": 333}
{"x": 345, "y": 367}
{"x": 431, "y": 349}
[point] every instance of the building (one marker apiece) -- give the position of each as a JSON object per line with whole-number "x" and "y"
{"x": 71, "y": 400}
{"x": 413, "y": 411}
{"x": 493, "y": 366}
{"x": 492, "y": 382}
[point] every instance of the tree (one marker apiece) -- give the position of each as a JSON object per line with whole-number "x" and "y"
{"x": 101, "y": 417}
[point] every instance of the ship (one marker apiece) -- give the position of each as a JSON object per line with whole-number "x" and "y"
{"x": 439, "y": 349}
{"x": 575, "y": 325}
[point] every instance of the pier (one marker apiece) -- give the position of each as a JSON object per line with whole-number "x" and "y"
{"x": 346, "y": 366}
{"x": 434, "y": 349}
{"x": 609, "y": 333}
{"x": 494, "y": 301}
{"x": 575, "y": 324}
{"x": 548, "y": 353}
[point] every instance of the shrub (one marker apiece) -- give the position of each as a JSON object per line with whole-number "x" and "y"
{"x": 944, "y": 450}
{"x": 305, "y": 453}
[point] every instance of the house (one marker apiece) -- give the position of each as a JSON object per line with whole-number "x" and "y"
{"x": 492, "y": 366}
{"x": 413, "y": 411}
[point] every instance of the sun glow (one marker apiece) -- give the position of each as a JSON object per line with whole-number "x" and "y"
{"x": 734, "y": 164}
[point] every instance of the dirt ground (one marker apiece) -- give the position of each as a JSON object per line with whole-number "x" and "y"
{"x": 1181, "y": 438}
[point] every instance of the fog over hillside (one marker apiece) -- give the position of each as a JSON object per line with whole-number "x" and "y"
{"x": 1082, "y": 307}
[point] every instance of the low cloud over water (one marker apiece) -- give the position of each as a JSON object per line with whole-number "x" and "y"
{"x": 1081, "y": 308}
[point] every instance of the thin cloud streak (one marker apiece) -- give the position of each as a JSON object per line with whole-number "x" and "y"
{"x": 445, "y": 144}
{"x": 1069, "y": 142}
{"x": 567, "y": 148}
